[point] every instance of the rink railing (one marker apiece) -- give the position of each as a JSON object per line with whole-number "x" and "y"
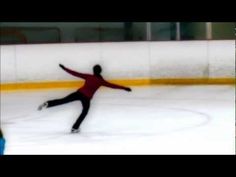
{"x": 137, "y": 82}
{"x": 125, "y": 63}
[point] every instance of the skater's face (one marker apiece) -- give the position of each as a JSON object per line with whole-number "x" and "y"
{"x": 97, "y": 69}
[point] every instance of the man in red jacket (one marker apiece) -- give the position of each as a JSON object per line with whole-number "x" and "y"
{"x": 84, "y": 94}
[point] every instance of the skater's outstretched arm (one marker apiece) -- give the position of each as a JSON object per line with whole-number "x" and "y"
{"x": 114, "y": 86}
{"x": 74, "y": 73}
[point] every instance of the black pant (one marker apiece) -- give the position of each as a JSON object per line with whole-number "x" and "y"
{"x": 73, "y": 97}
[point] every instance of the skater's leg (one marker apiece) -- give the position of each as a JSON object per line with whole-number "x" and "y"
{"x": 86, "y": 105}
{"x": 67, "y": 99}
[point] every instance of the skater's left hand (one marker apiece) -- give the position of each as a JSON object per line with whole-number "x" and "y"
{"x": 62, "y": 66}
{"x": 128, "y": 89}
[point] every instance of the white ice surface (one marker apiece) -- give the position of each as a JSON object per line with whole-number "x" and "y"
{"x": 149, "y": 120}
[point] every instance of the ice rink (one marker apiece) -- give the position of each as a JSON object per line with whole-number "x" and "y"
{"x": 148, "y": 120}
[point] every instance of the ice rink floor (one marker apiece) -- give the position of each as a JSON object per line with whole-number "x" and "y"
{"x": 149, "y": 120}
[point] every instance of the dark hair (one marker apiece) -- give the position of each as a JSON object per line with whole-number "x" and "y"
{"x": 97, "y": 69}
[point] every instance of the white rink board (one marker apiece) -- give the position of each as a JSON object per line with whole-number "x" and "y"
{"x": 40, "y": 62}
{"x": 222, "y": 59}
{"x": 121, "y": 60}
{"x": 179, "y": 59}
{"x": 125, "y": 60}
{"x": 8, "y": 65}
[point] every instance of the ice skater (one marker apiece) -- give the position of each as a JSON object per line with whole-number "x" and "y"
{"x": 83, "y": 94}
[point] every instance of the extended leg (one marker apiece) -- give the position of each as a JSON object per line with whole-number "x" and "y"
{"x": 67, "y": 99}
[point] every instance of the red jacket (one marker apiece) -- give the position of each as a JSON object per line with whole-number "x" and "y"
{"x": 92, "y": 83}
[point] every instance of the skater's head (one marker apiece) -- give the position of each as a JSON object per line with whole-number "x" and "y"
{"x": 97, "y": 69}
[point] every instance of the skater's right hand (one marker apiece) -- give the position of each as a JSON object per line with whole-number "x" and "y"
{"x": 62, "y": 66}
{"x": 128, "y": 89}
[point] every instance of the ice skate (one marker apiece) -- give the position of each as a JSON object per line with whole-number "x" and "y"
{"x": 73, "y": 130}
{"x": 44, "y": 105}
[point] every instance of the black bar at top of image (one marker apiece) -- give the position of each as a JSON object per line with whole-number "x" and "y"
{"x": 118, "y": 11}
